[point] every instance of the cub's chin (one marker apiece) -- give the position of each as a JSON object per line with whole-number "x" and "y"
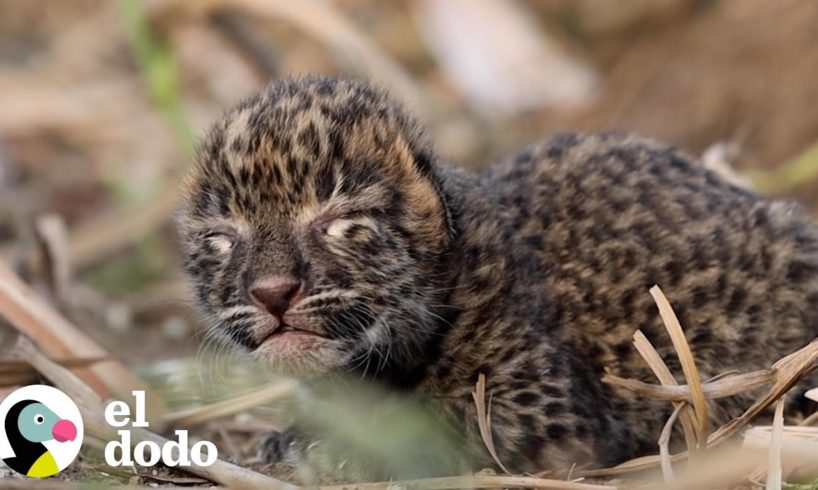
{"x": 300, "y": 353}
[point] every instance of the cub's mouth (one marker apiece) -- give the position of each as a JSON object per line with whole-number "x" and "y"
{"x": 290, "y": 335}
{"x": 313, "y": 343}
{"x": 298, "y": 349}
{"x": 292, "y": 330}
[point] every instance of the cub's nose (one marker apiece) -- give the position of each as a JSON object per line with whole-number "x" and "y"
{"x": 275, "y": 294}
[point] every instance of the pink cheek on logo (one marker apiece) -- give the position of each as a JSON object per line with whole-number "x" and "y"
{"x": 64, "y": 430}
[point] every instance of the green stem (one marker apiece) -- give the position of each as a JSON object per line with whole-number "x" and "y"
{"x": 802, "y": 169}
{"x": 159, "y": 70}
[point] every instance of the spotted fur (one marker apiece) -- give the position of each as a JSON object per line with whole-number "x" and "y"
{"x": 534, "y": 272}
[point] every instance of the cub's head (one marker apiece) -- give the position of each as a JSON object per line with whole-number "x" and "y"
{"x": 315, "y": 228}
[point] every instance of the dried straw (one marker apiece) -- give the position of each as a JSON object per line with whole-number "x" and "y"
{"x": 729, "y": 385}
{"x": 231, "y": 406}
{"x": 664, "y": 443}
{"x": 484, "y": 419}
{"x": 691, "y": 372}
{"x": 473, "y": 481}
{"x": 774, "y": 472}
{"x": 661, "y": 371}
{"x": 783, "y": 375}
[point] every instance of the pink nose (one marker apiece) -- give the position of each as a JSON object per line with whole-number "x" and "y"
{"x": 276, "y": 294}
{"x": 64, "y": 430}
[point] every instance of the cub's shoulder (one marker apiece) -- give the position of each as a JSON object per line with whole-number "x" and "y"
{"x": 589, "y": 151}
{"x": 577, "y": 161}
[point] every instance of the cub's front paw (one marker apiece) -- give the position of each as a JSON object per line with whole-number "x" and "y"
{"x": 279, "y": 447}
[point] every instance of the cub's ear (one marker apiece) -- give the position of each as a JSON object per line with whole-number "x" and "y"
{"x": 426, "y": 165}
{"x": 409, "y": 159}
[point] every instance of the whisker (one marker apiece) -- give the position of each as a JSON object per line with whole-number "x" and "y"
{"x": 345, "y": 293}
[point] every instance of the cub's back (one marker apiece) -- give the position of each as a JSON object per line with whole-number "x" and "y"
{"x": 612, "y": 215}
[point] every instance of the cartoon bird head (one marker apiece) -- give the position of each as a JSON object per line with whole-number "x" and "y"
{"x": 38, "y": 424}
{"x": 29, "y": 423}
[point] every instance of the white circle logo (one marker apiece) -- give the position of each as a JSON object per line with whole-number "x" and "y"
{"x": 40, "y": 431}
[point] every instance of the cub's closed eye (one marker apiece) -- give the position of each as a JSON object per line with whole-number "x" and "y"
{"x": 221, "y": 242}
{"x": 335, "y": 225}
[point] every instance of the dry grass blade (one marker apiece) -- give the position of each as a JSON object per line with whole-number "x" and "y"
{"x": 87, "y": 399}
{"x": 727, "y": 386}
{"x": 796, "y": 436}
{"x": 484, "y": 419}
{"x": 812, "y": 419}
{"x": 691, "y": 372}
{"x": 53, "y": 237}
{"x": 635, "y": 465}
{"x": 725, "y": 468}
{"x": 663, "y": 374}
{"x": 774, "y": 471}
{"x": 20, "y": 372}
{"x": 63, "y": 341}
{"x": 223, "y": 408}
{"x": 664, "y": 443}
{"x": 797, "y": 447}
{"x": 31, "y": 316}
{"x": 42, "y": 484}
{"x": 222, "y": 472}
{"x": 473, "y": 481}
{"x": 15, "y": 373}
{"x": 788, "y": 372}
{"x": 812, "y": 394}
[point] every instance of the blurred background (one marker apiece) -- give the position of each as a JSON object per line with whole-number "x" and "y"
{"x": 101, "y": 103}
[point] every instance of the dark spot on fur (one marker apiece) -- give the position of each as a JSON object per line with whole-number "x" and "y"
{"x": 556, "y": 432}
{"x": 526, "y": 398}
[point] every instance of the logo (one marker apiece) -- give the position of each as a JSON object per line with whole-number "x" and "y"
{"x": 40, "y": 431}
{"x": 146, "y": 452}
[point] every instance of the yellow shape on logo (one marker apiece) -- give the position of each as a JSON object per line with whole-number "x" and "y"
{"x": 45, "y": 466}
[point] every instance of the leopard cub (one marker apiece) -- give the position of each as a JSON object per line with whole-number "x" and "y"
{"x": 323, "y": 235}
